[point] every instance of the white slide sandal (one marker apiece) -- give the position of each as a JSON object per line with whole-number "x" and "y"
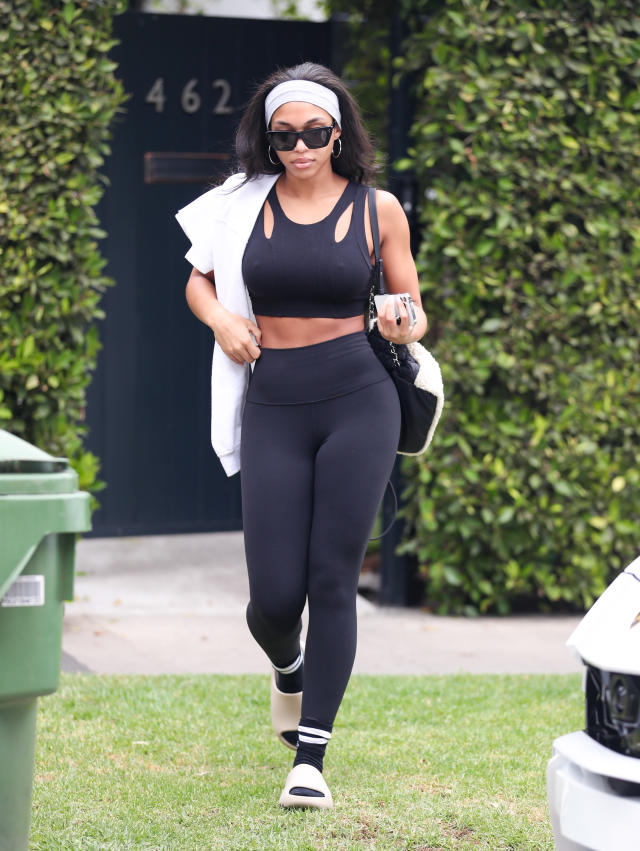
{"x": 285, "y": 714}
{"x": 306, "y": 787}
{"x": 285, "y": 711}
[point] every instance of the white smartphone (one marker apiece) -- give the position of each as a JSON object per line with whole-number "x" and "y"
{"x": 406, "y": 298}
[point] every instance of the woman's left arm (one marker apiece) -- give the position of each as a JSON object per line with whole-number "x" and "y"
{"x": 400, "y": 273}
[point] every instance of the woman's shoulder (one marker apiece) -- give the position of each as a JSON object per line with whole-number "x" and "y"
{"x": 384, "y": 200}
{"x": 392, "y": 218}
{"x": 387, "y": 200}
{"x": 390, "y": 210}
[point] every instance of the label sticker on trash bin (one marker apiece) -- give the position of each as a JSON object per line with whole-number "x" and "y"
{"x": 25, "y": 591}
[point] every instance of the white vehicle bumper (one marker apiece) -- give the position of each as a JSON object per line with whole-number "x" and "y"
{"x": 586, "y": 814}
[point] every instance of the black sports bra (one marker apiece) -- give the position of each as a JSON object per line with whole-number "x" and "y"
{"x": 300, "y": 270}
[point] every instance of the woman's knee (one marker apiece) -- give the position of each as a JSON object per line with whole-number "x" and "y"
{"x": 274, "y": 614}
{"x": 334, "y": 591}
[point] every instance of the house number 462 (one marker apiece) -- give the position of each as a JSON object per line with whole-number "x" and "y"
{"x": 190, "y": 99}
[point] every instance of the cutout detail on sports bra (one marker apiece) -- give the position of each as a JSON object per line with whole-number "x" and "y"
{"x": 368, "y": 236}
{"x": 343, "y": 224}
{"x": 268, "y": 220}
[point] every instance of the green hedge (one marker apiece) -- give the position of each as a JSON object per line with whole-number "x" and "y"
{"x": 59, "y": 95}
{"x": 526, "y": 149}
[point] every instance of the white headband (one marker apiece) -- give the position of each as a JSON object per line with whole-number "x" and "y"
{"x": 305, "y": 91}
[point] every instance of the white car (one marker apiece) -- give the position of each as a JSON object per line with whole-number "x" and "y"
{"x": 593, "y": 777}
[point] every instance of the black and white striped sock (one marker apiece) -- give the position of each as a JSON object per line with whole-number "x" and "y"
{"x": 313, "y": 737}
{"x": 289, "y": 677}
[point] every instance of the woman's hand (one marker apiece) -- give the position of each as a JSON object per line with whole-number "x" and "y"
{"x": 239, "y": 338}
{"x": 233, "y": 333}
{"x": 402, "y": 332}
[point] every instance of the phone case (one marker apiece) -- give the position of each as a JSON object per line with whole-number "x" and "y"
{"x": 380, "y": 300}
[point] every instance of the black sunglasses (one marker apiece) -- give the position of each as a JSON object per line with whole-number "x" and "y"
{"x": 286, "y": 140}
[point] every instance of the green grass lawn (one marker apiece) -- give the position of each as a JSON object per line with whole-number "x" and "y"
{"x": 190, "y": 762}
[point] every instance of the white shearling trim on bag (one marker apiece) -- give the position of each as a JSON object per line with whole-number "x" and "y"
{"x": 429, "y": 378}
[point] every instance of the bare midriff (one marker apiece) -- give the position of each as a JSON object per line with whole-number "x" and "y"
{"x": 288, "y": 332}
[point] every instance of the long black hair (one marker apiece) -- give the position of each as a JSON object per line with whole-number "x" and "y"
{"x": 357, "y": 157}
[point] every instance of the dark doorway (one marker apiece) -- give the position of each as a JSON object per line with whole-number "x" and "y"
{"x": 148, "y": 404}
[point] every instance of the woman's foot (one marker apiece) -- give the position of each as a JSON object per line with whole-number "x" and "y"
{"x": 285, "y": 714}
{"x": 306, "y": 787}
{"x": 286, "y": 700}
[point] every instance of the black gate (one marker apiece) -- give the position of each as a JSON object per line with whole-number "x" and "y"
{"x": 148, "y": 405}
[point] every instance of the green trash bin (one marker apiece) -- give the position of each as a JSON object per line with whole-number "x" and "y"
{"x": 41, "y": 510}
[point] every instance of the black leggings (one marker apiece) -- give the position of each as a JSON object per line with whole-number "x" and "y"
{"x": 319, "y": 436}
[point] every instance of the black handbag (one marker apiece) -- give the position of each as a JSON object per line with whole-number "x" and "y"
{"x": 413, "y": 369}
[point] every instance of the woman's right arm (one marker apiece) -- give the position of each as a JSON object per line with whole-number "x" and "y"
{"x": 232, "y": 332}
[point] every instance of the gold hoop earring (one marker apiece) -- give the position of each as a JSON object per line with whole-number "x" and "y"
{"x": 333, "y": 152}
{"x": 277, "y": 162}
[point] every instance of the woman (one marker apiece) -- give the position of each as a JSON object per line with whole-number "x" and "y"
{"x": 282, "y": 257}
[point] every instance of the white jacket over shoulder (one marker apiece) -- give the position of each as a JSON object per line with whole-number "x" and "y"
{"x": 219, "y": 224}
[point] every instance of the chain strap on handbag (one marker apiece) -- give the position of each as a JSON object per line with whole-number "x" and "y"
{"x": 377, "y": 277}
